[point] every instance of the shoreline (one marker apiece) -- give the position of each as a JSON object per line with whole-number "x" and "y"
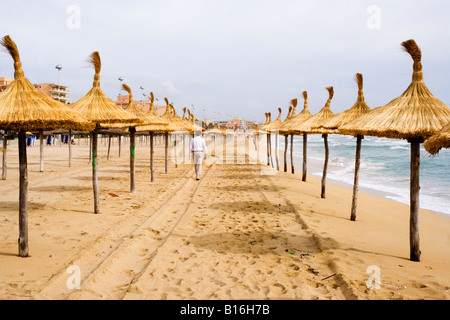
{"x": 316, "y": 166}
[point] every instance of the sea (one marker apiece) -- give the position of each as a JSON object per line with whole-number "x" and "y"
{"x": 384, "y": 168}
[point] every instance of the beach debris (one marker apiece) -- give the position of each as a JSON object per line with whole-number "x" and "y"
{"x": 329, "y": 277}
{"x": 113, "y": 194}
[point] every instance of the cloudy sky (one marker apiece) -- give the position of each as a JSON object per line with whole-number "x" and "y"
{"x": 231, "y": 58}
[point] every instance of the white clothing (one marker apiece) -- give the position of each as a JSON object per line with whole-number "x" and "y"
{"x": 198, "y": 144}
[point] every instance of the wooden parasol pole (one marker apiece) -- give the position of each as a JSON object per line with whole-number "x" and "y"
{"x": 70, "y": 147}
{"x": 166, "y": 148}
{"x": 5, "y": 149}
{"x": 414, "y": 238}
{"x": 132, "y": 159}
{"x": 325, "y": 165}
{"x": 23, "y": 195}
{"x": 94, "y": 137}
{"x": 356, "y": 179}
{"x": 41, "y": 151}
{"x": 285, "y": 151}
{"x": 292, "y": 153}
{"x": 151, "y": 156}
{"x": 305, "y": 141}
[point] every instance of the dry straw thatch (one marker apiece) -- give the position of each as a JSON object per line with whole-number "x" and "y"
{"x": 23, "y": 107}
{"x": 312, "y": 124}
{"x": 97, "y": 107}
{"x": 146, "y": 117}
{"x": 439, "y": 140}
{"x": 357, "y": 110}
{"x": 417, "y": 113}
{"x": 296, "y": 120}
{"x": 154, "y": 127}
{"x": 214, "y": 130}
{"x": 273, "y": 126}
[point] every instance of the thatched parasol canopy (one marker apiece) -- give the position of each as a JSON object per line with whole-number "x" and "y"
{"x": 97, "y": 107}
{"x": 154, "y": 127}
{"x": 268, "y": 121}
{"x": 23, "y": 107}
{"x": 311, "y": 125}
{"x": 438, "y": 140}
{"x": 357, "y": 110}
{"x": 272, "y": 126}
{"x": 295, "y": 121}
{"x": 417, "y": 113}
{"x": 194, "y": 125}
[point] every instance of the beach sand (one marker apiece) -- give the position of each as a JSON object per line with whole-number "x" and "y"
{"x": 244, "y": 231}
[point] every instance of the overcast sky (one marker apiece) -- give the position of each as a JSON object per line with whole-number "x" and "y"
{"x": 233, "y": 57}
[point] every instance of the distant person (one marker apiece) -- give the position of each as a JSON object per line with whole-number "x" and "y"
{"x": 199, "y": 150}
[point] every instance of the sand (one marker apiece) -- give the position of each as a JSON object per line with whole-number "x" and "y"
{"x": 244, "y": 231}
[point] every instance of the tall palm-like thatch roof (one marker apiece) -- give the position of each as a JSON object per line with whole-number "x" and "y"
{"x": 276, "y": 123}
{"x": 417, "y": 113}
{"x": 358, "y": 109}
{"x": 438, "y": 140}
{"x": 296, "y": 120}
{"x": 310, "y": 125}
{"x": 154, "y": 127}
{"x": 195, "y": 126}
{"x": 23, "y": 107}
{"x": 97, "y": 107}
{"x": 268, "y": 121}
{"x": 134, "y": 110}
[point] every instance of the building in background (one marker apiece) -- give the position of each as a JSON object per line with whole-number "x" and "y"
{"x": 4, "y": 82}
{"x": 55, "y": 91}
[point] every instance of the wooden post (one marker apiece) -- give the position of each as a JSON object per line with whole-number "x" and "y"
{"x": 268, "y": 155}
{"x": 120, "y": 144}
{"x": 305, "y": 141}
{"x": 166, "y": 147}
{"x": 285, "y": 151}
{"x": 23, "y": 195}
{"x": 109, "y": 146}
{"x": 414, "y": 238}
{"x": 41, "y": 151}
{"x": 184, "y": 148}
{"x": 175, "y": 149}
{"x": 94, "y": 136}
{"x": 276, "y": 150}
{"x": 151, "y": 156}
{"x": 132, "y": 159}
{"x": 270, "y": 149}
{"x": 70, "y": 147}
{"x": 90, "y": 147}
{"x": 356, "y": 180}
{"x": 292, "y": 153}
{"x": 325, "y": 165}
{"x": 5, "y": 149}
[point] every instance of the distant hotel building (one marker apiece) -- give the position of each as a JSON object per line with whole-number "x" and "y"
{"x": 57, "y": 92}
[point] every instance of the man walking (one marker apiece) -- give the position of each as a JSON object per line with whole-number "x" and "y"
{"x": 198, "y": 148}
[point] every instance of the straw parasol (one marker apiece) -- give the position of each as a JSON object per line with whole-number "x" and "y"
{"x": 23, "y": 108}
{"x": 357, "y": 110}
{"x": 98, "y": 108}
{"x": 172, "y": 126}
{"x": 291, "y": 127}
{"x": 311, "y": 126}
{"x": 438, "y": 140}
{"x": 152, "y": 129}
{"x": 148, "y": 119}
{"x": 413, "y": 116}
